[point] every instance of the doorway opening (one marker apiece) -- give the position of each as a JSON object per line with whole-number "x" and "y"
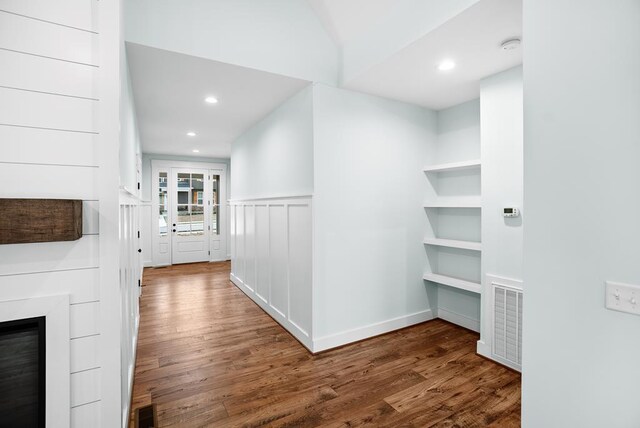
{"x": 189, "y": 212}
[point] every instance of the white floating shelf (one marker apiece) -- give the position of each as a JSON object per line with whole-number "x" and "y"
{"x": 455, "y": 202}
{"x": 473, "y": 287}
{"x": 453, "y": 166}
{"x": 452, "y": 243}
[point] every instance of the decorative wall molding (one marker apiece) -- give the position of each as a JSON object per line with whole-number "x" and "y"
{"x": 271, "y": 253}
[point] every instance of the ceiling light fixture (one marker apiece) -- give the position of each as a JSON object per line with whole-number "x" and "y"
{"x": 511, "y": 44}
{"x": 446, "y": 65}
{"x": 211, "y": 100}
{"x": 196, "y": 151}
{"x": 191, "y": 134}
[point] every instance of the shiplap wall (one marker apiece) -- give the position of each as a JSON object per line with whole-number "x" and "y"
{"x": 271, "y": 259}
{"x": 48, "y": 149}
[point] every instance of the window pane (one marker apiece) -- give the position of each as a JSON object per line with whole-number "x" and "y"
{"x": 215, "y": 212}
{"x": 183, "y": 225}
{"x": 163, "y": 200}
{"x": 197, "y": 220}
{"x": 163, "y": 220}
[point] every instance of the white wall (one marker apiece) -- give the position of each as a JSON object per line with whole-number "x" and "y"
{"x": 582, "y": 198}
{"x": 130, "y": 150}
{"x": 274, "y": 158}
{"x": 279, "y": 36}
{"x": 369, "y": 222}
{"x": 458, "y": 140}
{"x": 58, "y": 138}
{"x": 501, "y": 101}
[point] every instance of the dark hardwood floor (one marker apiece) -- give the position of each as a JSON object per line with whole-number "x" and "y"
{"x": 210, "y": 357}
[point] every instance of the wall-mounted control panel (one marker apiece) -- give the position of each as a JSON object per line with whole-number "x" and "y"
{"x": 510, "y": 212}
{"x": 623, "y": 297}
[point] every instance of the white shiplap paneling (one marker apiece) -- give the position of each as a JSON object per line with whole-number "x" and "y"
{"x": 48, "y": 181}
{"x": 48, "y": 147}
{"x": 36, "y": 73}
{"x": 82, "y": 14}
{"x": 35, "y": 109}
{"x": 85, "y": 319}
{"x": 87, "y": 415}
{"x": 22, "y": 34}
{"x": 82, "y": 285}
{"x": 49, "y": 256}
{"x": 85, "y": 387}
{"x": 85, "y": 353}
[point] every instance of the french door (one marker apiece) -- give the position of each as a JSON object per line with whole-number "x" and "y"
{"x": 190, "y": 226}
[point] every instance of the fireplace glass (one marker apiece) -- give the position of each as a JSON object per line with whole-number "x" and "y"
{"x": 22, "y": 373}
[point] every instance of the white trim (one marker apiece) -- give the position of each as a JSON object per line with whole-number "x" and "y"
{"x": 371, "y": 330}
{"x": 58, "y": 354}
{"x": 461, "y": 320}
{"x": 267, "y": 198}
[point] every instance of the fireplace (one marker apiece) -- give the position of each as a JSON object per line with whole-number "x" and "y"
{"x": 35, "y": 362}
{"x": 22, "y": 372}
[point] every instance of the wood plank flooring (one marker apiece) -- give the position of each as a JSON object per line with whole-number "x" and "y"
{"x": 210, "y": 357}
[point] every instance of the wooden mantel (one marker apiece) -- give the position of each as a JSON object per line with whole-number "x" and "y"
{"x": 40, "y": 220}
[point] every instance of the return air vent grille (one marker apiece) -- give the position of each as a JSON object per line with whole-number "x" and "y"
{"x": 507, "y": 325}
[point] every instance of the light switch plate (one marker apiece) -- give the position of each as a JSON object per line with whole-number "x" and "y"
{"x": 623, "y": 297}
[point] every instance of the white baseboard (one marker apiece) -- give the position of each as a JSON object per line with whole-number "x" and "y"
{"x": 461, "y": 320}
{"x": 365, "y": 332}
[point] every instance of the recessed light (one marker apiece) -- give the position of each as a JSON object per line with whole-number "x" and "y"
{"x": 446, "y": 65}
{"x": 511, "y": 44}
{"x": 211, "y": 100}
{"x": 191, "y": 134}
{"x": 196, "y": 151}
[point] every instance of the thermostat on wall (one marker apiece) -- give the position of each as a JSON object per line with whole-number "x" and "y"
{"x": 511, "y": 212}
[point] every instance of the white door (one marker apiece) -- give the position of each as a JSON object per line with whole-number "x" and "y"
{"x": 189, "y": 215}
{"x": 218, "y": 215}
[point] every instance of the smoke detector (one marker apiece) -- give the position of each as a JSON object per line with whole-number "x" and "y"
{"x": 510, "y": 44}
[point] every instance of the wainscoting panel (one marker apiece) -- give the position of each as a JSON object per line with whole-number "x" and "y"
{"x": 300, "y": 266}
{"x": 262, "y": 252}
{"x": 279, "y": 259}
{"x": 271, "y": 243}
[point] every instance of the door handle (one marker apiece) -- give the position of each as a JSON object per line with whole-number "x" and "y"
{"x": 174, "y": 225}
{"x": 174, "y": 230}
{"x": 139, "y": 250}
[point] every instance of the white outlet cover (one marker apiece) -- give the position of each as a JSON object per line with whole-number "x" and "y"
{"x": 623, "y": 297}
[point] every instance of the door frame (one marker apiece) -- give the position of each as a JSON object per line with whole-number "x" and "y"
{"x": 158, "y": 165}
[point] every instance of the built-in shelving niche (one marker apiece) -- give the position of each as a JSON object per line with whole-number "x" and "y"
{"x": 453, "y": 242}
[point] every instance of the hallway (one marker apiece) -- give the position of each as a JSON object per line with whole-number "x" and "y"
{"x": 208, "y": 356}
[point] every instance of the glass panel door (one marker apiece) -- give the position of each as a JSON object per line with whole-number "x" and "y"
{"x": 190, "y": 241}
{"x": 218, "y": 205}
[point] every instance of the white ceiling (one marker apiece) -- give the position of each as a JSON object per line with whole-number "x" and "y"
{"x": 169, "y": 90}
{"x": 471, "y": 39}
{"x": 349, "y": 20}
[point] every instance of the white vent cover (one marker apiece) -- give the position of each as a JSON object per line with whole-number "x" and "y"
{"x": 507, "y": 325}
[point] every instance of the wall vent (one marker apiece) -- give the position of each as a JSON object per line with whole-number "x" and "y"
{"x": 507, "y": 325}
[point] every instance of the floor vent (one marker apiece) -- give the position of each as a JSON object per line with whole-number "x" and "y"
{"x": 507, "y": 325}
{"x": 146, "y": 417}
